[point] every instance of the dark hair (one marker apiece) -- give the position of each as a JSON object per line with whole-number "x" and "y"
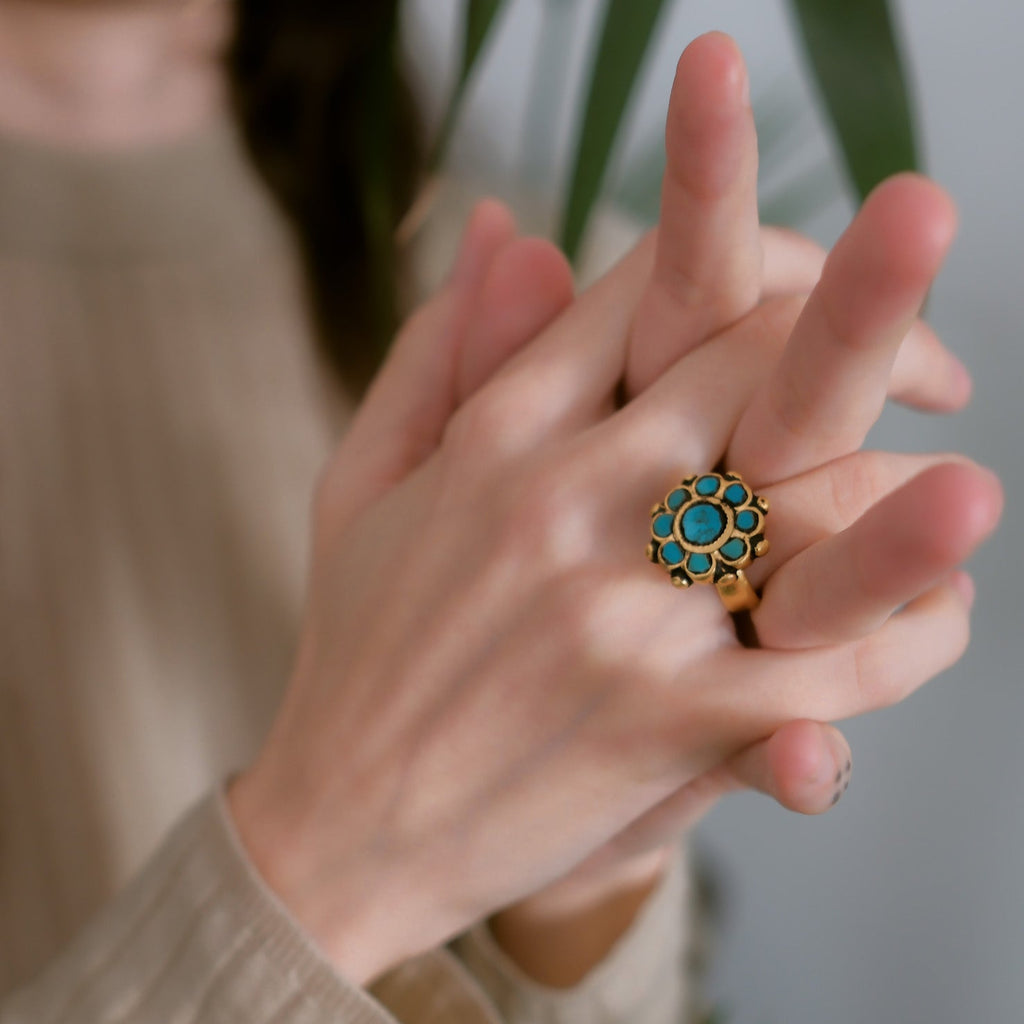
{"x": 330, "y": 124}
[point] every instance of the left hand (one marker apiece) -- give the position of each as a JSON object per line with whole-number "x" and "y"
{"x": 712, "y": 266}
{"x": 709, "y": 272}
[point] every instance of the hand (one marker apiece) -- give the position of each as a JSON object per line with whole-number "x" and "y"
{"x": 422, "y": 734}
{"x": 523, "y": 286}
{"x": 711, "y": 267}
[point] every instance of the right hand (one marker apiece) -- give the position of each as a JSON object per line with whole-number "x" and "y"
{"x": 492, "y": 682}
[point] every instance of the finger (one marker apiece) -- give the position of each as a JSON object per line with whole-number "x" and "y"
{"x": 683, "y": 422}
{"x": 827, "y": 500}
{"x": 570, "y": 375}
{"x": 926, "y": 375}
{"x": 408, "y": 404}
{"x": 707, "y": 269}
{"x": 792, "y": 263}
{"x": 805, "y": 766}
{"x": 489, "y": 229}
{"x": 846, "y": 586}
{"x": 832, "y": 379}
{"x": 756, "y": 691}
{"x": 528, "y": 284}
{"x": 661, "y": 439}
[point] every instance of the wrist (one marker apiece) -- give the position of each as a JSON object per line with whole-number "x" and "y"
{"x": 342, "y": 910}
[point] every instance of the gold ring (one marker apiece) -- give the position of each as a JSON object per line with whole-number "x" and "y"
{"x": 708, "y": 530}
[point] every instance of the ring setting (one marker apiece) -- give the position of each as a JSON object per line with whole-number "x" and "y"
{"x": 708, "y": 529}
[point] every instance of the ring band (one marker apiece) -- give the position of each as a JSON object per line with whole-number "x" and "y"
{"x": 708, "y": 530}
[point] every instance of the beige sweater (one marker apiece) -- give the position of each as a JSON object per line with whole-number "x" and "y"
{"x": 162, "y": 418}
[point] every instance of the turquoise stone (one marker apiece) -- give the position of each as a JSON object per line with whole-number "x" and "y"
{"x": 707, "y": 485}
{"x": 662, "y": 525}
{"x": 698, "y": 563}
{"x": 734, "y": 548}
{"x": 746, "y": 520}
{"x": 676, "y": 499}
{"x": 703, "y": 523}
{"x": 735, "y": 494}
{"x": 671, "y": 553}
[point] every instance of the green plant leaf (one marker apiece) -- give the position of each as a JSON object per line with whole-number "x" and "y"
{"x": 478, "y": 19}
{"x": 625, "y": 35}
{"x": 855, "y": 56}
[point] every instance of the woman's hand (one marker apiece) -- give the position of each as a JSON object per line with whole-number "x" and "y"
{"x": 492, "y": 682}
{"x": 709, "y": 195}
{"x": 712, "y": 266}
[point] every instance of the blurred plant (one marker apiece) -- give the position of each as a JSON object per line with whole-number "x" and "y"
{"x": 852, "y": 52}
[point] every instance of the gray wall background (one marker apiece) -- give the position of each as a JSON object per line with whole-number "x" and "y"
{"x": 905, "y": 903}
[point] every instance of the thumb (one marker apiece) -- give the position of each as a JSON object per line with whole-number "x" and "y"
{"x": 804, "y": 766}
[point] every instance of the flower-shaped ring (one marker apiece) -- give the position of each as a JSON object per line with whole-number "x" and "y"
{"x": 708, "y": 530}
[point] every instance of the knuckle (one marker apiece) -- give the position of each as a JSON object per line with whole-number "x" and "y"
{"x": 546, "y": 519}
{"x": 486, "y": 427}
{"x": 793, "y": 407}
{"x": 593, "y": 620}
{"x": 683, "y": 287}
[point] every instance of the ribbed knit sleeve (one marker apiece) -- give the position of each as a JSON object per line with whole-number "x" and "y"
{"x": 195, "y": 937}
{"x": 198, "y": 937}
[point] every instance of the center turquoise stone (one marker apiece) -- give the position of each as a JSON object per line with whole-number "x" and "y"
{"x": 703, "y": 523}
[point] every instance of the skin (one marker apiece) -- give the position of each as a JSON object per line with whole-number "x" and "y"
{"x": 110, "y": 74}
{"x": 705, "y": 275}
{"x": 458, "y": 362}
{"x": 528, "y": 662}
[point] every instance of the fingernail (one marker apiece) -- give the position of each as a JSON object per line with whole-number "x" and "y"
{"x": 964, "y": 585}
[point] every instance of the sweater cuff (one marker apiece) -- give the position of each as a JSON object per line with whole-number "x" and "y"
{"x": 197, "y": 936}
{"x": 643, "y": 979}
